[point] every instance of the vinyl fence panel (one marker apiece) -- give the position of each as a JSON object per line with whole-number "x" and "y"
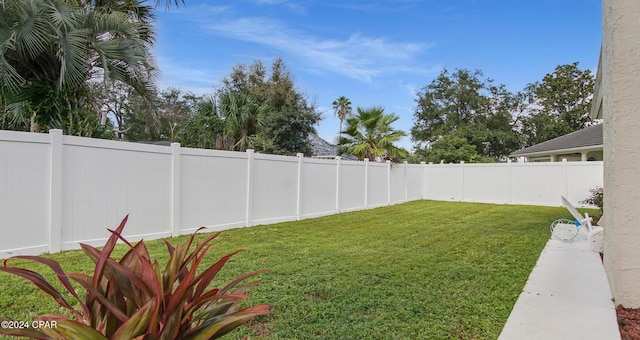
{"x": 318, "y": 187}
{"x": 24, "y": 192}
{"x": 352, "y": 185}
{"x": 213, "y": 189}
{"x": 377, "y": 185}
{"x": 274, "y": 189}
{"x": 488, "y": 183}
{"x": 398, "y": 183}
{"x": 57, "y": 191}
{"x": 415, "y": 179}
{"x": 579, "y": 177}
{"x": 444, "y": 182}
{"x": 106, "y": 180}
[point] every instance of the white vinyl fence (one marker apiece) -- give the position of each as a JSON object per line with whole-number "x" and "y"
{"x": 57, "y": 191}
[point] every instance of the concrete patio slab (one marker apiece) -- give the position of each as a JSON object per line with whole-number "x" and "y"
{"x": 567, "y": 296}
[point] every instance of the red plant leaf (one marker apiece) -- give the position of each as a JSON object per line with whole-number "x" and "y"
{"x": 114, "y": 294}
{"x": 40, "y": 282}
{"x": 106, "y": 253}
{"x": 170, "y": 248}
{"x": 92, "y": 252}
{"x": 171, "y": 326}
{"x": 62, "y": 277}
{"x": 205, "y": 278}
{"x": 213, "y": 311}
{"x": 127, "y": 279}
{"x": 130, "y": 258}
{"x": 179, "y": 296}
{"x": 218, "y": 327}
{"x": 244, "y": 288}
{"x": 149, "y": 275}
{"x": 69, "y": 329}
{"x": 248, "y": 314}
{"x": 137, "y": 324}
{"x": 199, "y": 247}
{"x": 240, "y": 279}
{"x": 175, "y": 270}
{"x": 119, "y": 236}
{"x": 101, "y": 298}
{"x": 200, "y": 300}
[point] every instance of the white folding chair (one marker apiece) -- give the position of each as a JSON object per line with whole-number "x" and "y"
{"x": 566, "y": 229}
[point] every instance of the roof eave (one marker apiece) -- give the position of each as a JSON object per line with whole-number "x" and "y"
{"x": 558, "y": 152}
{"x": 595, "y": 112}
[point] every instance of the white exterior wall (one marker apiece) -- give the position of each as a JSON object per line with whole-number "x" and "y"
{"x": 621, "y": 112}
{"x": 57, "y": 191}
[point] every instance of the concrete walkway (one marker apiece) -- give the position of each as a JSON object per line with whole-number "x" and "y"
{"x": 567, "y": 296}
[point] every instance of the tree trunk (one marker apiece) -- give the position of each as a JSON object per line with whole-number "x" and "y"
{"x": 34, "y": 126}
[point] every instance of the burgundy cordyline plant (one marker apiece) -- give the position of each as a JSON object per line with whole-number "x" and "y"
{"x": 134, "y": 298}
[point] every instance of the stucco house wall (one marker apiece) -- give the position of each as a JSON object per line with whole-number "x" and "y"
{"x": 620, "y": 92}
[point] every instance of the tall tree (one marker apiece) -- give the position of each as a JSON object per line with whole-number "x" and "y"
{"x": 560, "y": 104}
{"x": 160, "y": 117}
{"x": 474, "y": 110}
{"x": 242, "y": 118}
{"x": 341, "y": 108}
{"x": 369, "y": 134}
{"x": 49, "y": 49}
{"x": 203, "y": 129}
{"x": 288, "y": 119}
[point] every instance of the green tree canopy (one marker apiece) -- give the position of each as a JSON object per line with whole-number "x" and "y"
{"x": 288, "y": 118}
{"x": 49, "y": 49}
{"x": 204, "y": 129}
{"x": 559, "y": 104}
{"x": 473, "y": 110}
{"x": 369, "y": 134}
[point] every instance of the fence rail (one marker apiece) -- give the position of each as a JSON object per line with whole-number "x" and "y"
{"x": 57, "y": 191}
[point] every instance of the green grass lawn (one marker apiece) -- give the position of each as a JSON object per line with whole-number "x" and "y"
{"x": 420, "y": 270}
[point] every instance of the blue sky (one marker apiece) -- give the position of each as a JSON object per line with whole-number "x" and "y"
{"x": 377, "y": 53}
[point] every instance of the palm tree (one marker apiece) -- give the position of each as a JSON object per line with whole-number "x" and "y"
{"x": 49, "y": 49}
{"x": 341, "y": 108}
{"x": 369, "y": 135}
{"x": 242, "y": 118}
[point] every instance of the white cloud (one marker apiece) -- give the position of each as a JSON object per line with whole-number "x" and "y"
{"x": 291, "y": 5}
{"x": 195, "y": 78}
{"x": 359, "y": 57}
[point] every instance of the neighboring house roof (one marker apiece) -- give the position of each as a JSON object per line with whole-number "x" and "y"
{"x": 320, "y": 148}
{"x": 581, "y": 140}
